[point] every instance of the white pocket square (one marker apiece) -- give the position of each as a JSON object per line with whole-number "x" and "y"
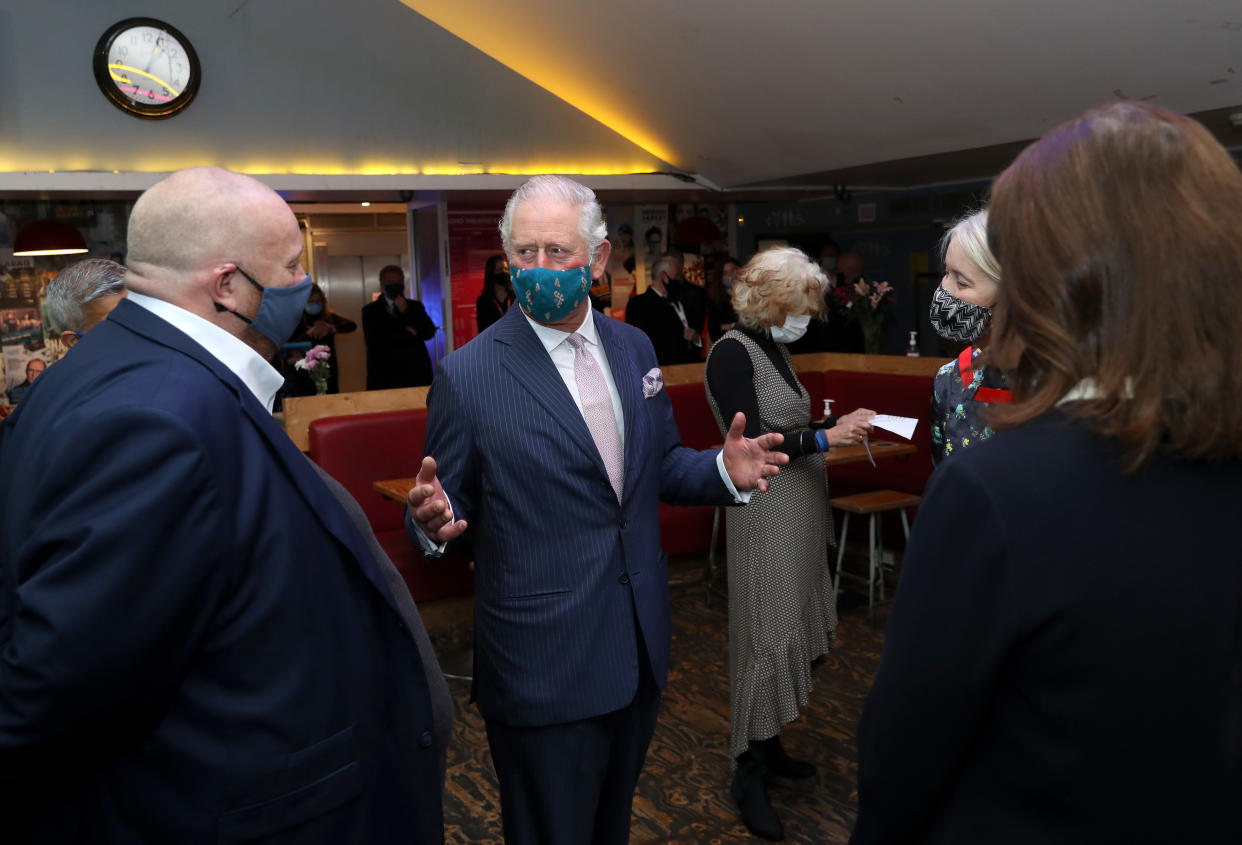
{"x": 653, "y": 383}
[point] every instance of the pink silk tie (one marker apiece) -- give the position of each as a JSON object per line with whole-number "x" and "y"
{"x": 597, "y": 408}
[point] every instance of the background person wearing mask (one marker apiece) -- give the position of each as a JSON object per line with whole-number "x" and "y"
{"x": 198, "y": 644}
{"x": 555, "y": 442}
{"x": 82, "y": 294}
{"x": 782, "y": 611}
{"x": 319, "y": 326}
{"x": 1063, "y": 661}
{"x": 720, "y": 313}
{"x": 961, "y": 311}
{"x": 497, "y": 293}
{"x": 396, "y": 330}
{"x": 671, "y": 313}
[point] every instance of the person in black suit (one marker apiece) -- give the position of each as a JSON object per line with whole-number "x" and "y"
{"x": 671, "y": 312}
{"x": 1063, "y": 662}
{"x": 197, "y": 642}
{"x": 396, "y": 330}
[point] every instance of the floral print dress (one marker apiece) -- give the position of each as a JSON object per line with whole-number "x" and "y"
{"x": 958, "y": 402}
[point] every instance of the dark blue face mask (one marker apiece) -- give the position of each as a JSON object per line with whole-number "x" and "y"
{"x": 280, "y": 309}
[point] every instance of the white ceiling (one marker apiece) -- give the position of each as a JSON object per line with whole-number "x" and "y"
{"x": 745, "y": 92}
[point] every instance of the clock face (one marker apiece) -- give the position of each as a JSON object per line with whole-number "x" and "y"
{"x": 147, "y": 68}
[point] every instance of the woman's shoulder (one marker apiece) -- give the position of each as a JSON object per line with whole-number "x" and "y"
{"x": 730, "y": 352}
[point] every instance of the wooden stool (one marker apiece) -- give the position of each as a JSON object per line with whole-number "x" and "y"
{"x": 872, "y": 504}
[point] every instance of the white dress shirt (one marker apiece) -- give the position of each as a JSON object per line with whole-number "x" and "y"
{"x": 249, "y": 366}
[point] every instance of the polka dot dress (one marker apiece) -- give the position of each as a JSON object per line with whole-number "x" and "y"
{"x": 781, "y": 609}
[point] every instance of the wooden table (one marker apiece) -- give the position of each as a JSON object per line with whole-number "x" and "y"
{"x": 396, "y": 489}
{"x": 838, "y": 455}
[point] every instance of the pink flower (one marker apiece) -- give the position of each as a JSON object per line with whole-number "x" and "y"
{"x": 315, "y": 356}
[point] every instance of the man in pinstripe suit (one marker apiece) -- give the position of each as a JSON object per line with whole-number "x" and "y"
{"x": 554, "y": 442}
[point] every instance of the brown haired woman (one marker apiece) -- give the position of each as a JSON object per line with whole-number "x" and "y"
{"x": 782, "y": 611}
{"x": 1063, "y": 662}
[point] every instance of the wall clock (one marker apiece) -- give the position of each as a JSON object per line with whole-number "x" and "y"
{"x": 146, "y": 68}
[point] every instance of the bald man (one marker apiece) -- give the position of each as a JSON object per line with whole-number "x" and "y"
{"x": 197, "y": 642}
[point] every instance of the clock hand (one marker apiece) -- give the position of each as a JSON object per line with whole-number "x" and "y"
{"x": 155, "y": 49}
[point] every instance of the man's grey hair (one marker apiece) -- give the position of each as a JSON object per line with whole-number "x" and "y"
{"x": 591, "y": 224}
{"x": 79, "y": 284}
{"x": 663, "y": 263}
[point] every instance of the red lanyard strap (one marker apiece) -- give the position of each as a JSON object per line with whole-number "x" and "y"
{"x": 988, "y": 395}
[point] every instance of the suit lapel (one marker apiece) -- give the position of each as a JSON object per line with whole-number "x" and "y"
{"x": 313, "y": 490}
{"x": 627, "y": 380}
{"x": 531, "y": 366}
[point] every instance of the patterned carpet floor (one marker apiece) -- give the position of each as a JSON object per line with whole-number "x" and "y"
{"x": 683, "y": 794}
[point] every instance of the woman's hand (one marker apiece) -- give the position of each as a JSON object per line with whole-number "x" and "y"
{"x": 850, "y": 428}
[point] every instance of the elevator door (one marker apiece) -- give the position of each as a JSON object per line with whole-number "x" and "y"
{"x": 350, "y": 282}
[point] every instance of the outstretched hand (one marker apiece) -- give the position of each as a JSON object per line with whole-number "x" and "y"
{"x": 748, "y": 460}
{"x": 430, "y": 508}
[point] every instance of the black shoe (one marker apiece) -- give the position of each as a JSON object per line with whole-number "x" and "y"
{"x": 778, "y": 762}
{"x": 752, "y": 799}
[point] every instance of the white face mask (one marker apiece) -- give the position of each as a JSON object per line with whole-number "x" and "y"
{"x": 794, "y": 327}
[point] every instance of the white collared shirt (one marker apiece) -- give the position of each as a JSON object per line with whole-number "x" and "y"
{"x": 249, "y": 366}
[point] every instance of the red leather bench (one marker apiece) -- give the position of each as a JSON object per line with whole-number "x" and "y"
{"x": 360, "y": 449}
{"x": 686, "y": 531}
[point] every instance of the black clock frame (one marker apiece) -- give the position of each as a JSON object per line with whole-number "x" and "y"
{"x": 154, "y": 111}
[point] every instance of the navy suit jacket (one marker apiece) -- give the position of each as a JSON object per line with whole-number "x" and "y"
{"x": 569, "y": 582}
{"x": 195, "y": 644}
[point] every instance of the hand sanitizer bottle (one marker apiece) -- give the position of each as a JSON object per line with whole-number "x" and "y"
{"x": 912, "y": 348}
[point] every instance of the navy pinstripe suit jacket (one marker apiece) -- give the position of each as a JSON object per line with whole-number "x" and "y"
{"x": 562, "y": 571}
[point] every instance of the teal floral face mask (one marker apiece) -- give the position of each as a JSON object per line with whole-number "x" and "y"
{"x": 550, "y": 295}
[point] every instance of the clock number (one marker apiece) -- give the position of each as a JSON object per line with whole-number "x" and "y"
{"x": 124, "y": 51}
{"x": 148, "y": 37}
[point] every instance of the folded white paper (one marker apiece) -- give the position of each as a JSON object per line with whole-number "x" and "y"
{"x": 901, "y": 426}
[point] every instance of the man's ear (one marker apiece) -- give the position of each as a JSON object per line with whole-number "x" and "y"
{"x": 68, "y": 339}
{"x": 224, "y": 285}
{"x": 601, "y": 260}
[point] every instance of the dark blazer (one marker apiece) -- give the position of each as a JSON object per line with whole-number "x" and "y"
{"x": 1063, "y": 662}
{"x": 395, "y": 356}
{"x": 197, "y": 645}
{"x": 657, "y": 318}
{"x": 569, "y": 583}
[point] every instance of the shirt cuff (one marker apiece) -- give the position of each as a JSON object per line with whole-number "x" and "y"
{"x": 428, "y": 548}
{"x": 738, "y": 497}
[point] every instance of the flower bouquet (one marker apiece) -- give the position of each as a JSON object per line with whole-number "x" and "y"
{"x": 869, "y": 304}
{"x": 318, "y": 365}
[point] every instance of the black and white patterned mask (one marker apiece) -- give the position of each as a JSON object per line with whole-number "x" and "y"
{"x": 954, "y": 319}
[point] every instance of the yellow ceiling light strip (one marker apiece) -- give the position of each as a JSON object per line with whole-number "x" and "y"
{"x": 490, "y": 27}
